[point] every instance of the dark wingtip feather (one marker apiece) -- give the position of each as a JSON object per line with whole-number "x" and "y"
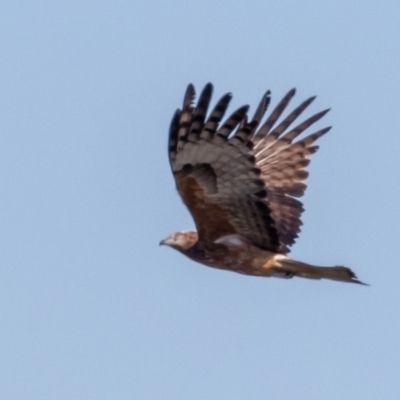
{"x": 286, "y": 99}
{"x": 310, "y": 139}
{"x": 207, "y": 91}
{"x": 322, "y": 132}
{"x": 325, "y": 130}
{"x": 208, "y": 87}
{"x": 276, "y": 113}
{"x": 216, "y": 115}
{"x": 175, "y": 119}
{"x": 291, "y": 135}
{"x": 323, "y": 112}
{"x": 173, "y": 134}
{"x": 201, "y": 109}
{"x": 189, "y": 96}
{"x": 204, "y": 100}
{"x": 233, "y": 121}
{"x": 262, "y": 107}
{"x": 307, "y": 102}
{"x": 277, "y": 132}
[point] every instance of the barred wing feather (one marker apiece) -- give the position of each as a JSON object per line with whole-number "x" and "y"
{"x": 238, "y": 177}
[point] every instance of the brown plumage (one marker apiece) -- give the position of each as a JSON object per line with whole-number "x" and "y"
{"x": 240, "y": 180}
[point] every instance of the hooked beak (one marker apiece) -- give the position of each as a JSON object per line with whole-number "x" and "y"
{"x": 163, "y": 242}
{"x": 166, "y": 242}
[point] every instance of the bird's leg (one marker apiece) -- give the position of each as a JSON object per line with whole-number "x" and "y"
{"x": 274, "y": 268}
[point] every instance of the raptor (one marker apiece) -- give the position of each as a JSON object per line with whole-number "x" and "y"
{"x": 241, "y": 179}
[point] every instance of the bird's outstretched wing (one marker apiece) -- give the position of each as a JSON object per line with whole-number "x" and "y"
{"x": 238, "y": 177}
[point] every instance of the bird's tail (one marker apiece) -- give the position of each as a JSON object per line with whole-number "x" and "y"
{"x": 290, "y": 268}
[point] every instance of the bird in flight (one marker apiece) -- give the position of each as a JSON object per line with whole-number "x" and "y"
{"x": 240, "y": 180}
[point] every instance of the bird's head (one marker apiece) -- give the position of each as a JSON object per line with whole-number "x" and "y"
{"x": 180, "y": 241}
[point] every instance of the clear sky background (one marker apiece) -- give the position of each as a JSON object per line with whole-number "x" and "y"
{"x": 90, "y": 306}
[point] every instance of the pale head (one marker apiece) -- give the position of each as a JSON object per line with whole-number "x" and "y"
{"x": 180, "y": 241}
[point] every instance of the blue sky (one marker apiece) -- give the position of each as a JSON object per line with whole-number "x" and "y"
{"x": 90, "y": 306}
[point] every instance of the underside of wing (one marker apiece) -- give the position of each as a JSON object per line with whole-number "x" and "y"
{"x": 215, "y": 171}
{"x": 236, "y": 177}
{"x": 283, "y": 162}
